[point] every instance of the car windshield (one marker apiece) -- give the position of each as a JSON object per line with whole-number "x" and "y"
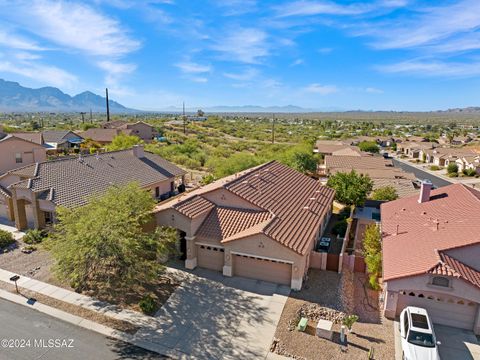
{"x": 421, "y": 339}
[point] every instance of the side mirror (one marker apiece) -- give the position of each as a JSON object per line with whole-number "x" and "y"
{"x": 439, "y": 343}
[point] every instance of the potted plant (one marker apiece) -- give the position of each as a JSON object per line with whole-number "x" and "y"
{"x": 349, "y": 320}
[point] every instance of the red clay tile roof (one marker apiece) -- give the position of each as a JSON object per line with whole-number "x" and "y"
{"x": 413, "y": 232}
{"x": 223, "y": 222}
{"x": 355, "y": 162}
{"x": 297, "y": 201}
{"x": 194, "y": 206}
{"x": 449, "y": 266}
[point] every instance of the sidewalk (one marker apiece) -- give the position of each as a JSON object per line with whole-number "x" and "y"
{"x": 83, "y": 301}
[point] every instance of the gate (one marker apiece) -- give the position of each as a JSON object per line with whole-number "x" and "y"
{"x": 359, "y": 266}
{"x": 332, "y": 262}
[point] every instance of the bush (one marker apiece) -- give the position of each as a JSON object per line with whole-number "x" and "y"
{"x": 369, "y": 146}
{"x": 454, "y": 174}
{"x": 148, "y": 305}
{"x": 434, "y": 167}
{"x": 34, "y": 236}
{"x": 470, "y": 172}
{"x": 340, "y": 228}
{"x": 6, "y": 239}
{"x": 452, "y": 168}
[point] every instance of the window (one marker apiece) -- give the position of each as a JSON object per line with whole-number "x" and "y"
{"x": 157, "y": 192}
{"x": 18, "y": 158}
{"x": 48, "y": 217}
{"x": 405, "y": 323}
{"x": 440, "y": 281}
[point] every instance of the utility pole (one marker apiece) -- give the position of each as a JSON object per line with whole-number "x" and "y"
{"x": 273, "y": 128}
{"x": 108, "y": 105}
{"x": 83, "y": 116}
{"x": 91, "y": 116}
{"x": 184, "y": 120}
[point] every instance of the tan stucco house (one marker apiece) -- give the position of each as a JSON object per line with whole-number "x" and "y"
{"x": 431, "y": 252}
{"x": 30, "y": 194}
{"x": 144, "y": 131}
{"x": 61, "y": 140}
{"x": 17, "y": 152}
{"x": 262, "y": 223}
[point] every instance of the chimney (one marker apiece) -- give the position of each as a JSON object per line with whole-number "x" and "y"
{"x": 425, "y": 191}
{"x": 138, "y": 151}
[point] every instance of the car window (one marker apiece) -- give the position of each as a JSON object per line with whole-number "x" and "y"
{"x": 421, "y": 339}
{"x": 405, "y": 322}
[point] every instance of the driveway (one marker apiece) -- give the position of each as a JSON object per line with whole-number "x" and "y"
{"x": 215, "y": 317}
{"x": 455, "y": 343}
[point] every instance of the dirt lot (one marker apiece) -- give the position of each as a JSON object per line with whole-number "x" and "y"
{"x": 325, "y": 292}
{"x": 37, "y": 265}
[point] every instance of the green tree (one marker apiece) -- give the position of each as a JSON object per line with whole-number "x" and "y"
{"x": 123, "y": 141}
{"x": 386, "y": 193}
{"x": 103, "y": 247}
{"x": 301, "y": 160}
{"x": 350, "y": 188}
{"x": 452, "y": 168}
{"x": 372, "y": 251}
{"x": 369, "y": 146}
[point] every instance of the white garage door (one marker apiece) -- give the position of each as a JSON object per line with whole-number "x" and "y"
{"x": 444, "y": 310}
{"x": 267, "y": 270}
{"x": 209, "y": 257}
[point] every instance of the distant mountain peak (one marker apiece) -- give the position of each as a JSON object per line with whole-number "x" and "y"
{"x": 14, "y": 97}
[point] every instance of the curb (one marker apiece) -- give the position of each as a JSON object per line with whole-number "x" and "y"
{"x": 84, "y": 323}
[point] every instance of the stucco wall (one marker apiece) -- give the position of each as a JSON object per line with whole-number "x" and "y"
{"x": 143, "y": 131}
{"x": 469, "y": 255}
{"x": 31, "y": 153}
{"x": 223, "y": 197}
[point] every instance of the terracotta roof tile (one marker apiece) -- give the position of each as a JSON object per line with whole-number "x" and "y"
{"x": 449, "y": 266}
{"x": 413, "y": 232}
{"x": 194, "y": 206}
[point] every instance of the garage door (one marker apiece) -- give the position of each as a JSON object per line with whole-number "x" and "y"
{"x": 209, "y": 257}
{"x": 3, "y": 212}
{"x": 445, "y": 310}
{"x": 262, "y": 269}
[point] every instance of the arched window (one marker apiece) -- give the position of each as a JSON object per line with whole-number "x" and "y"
{"x": 440, "y": 281}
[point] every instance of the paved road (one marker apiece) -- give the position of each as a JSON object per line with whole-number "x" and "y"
{"x": 20, "y": 322}
{"x": 421, "y": 175}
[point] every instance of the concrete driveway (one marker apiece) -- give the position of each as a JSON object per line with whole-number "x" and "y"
{"x": 215, "y": 317}
{"x": 456, "y": 343}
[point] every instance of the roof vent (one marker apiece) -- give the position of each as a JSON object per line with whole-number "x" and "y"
{"x": 425, "y": 190}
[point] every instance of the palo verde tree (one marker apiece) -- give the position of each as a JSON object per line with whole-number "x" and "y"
{"x": 350, "y": 188}
{"x": 123, "y": 141}
{"x": 369, "y": 146}
{"x": 372, "y": 251}
{"x": 103, "y": 247}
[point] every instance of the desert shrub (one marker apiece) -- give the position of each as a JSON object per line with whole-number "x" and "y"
{"x": 148, "y": 304}
{"x": 470, "y": 172}
{"x": 434, "y": 167}
{"x": 6, "y": 239}
{"x": 34, "y": 236}
{"x": 452, "y": 168}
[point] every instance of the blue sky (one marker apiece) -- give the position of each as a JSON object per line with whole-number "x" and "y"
{"x": 379, "y": 54}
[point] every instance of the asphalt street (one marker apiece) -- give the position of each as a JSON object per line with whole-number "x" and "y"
{"x": 27, "y": 334}
{"x": 422, "y": 175}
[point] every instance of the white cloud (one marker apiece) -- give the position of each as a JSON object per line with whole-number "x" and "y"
{"x": 321, "y": 89}
{"x": 297, "y": 62}
{"x": 325, "y": 50}
{"x": 433, "y": 68}
{"x": 373, "y": 90}
{"x": 248, "y": 74}
{"x": 74, "y": 26}
{"x": 50, "y": 75}
{"x": 14, "y": 41}
{"x": 306, "y": 8}
{"x": 190, "y": 67}
{"x": 247, "y": 45}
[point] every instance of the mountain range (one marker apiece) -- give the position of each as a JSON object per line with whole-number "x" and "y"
{"x": 14, "y": 97}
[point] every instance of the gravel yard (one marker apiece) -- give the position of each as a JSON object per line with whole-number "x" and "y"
{"x": 330, "y": 295}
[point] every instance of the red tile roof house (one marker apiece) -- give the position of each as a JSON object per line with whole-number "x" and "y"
{"x": 262, "y": 223}
{"x": 31, "y": 194}
{"x": 144, "y": 131}
{"x": 431, "y": 255}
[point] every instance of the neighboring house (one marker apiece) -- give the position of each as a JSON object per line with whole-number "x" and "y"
{"x": 431, "y": 252}
{"x": 468, "y": 163}
{"x": 144, "y": 131}
{"x": 380, "y": 170}
{"x": 16, "y": 152}
{"x": 35, "y": 137}
{"x": 329, "y": 147}
{"x": 31, "y": 194}
{"x": 103, "y": 136}
{"x": 61, "y": 140}
{"x": 442, "y": 156}
{"x": 414, "y": 149}
{"x": 262, "y": 223}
